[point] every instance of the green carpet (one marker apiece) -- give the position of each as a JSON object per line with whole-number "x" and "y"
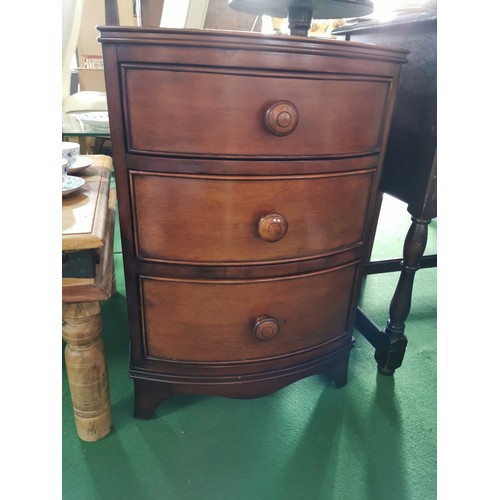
{"x": 373, "y": 439}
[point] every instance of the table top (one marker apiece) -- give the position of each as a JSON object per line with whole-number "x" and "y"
{"x": 85, "y": 211}
{"x": 322, "y": 9}
{"x": 71, "y": 126}
{"x": 407, "y": 21}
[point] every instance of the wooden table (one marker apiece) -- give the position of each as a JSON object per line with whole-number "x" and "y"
{"x": 410, "y": 168}
{"x": 88, "y": 278}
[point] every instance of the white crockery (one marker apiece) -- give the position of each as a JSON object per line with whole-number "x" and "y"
{"x": 71, "y": 184}
{"x": 80, "y": 164}
{"x": 70, "y": 152}
{"x": 64, "y": 169}
{"x": 96, "y": 119}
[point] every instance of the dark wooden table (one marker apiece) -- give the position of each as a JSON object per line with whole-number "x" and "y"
{"x": 410, "y": 168}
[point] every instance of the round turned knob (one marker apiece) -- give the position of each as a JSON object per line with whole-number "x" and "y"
{"x": 282, "y": 118}
{"x": 266, "y": 328}
{"x": 272, "y": 227}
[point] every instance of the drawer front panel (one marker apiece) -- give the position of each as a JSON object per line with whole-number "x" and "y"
{"x": 210, "y": 321}
{"x": 189, "y": 112}
{"x": 231, "y": 220}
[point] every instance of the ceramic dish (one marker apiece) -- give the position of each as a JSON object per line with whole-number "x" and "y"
{"x": 72, "y": 184}
{"x": 81, "y": 164}
{"x": 98, "y": 120}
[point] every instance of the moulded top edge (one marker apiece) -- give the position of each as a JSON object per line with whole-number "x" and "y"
{"x": 243, "y": 39}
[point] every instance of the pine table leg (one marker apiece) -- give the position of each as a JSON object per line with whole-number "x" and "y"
{"x": 87, "y": 369}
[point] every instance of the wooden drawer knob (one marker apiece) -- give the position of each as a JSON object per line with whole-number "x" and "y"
{"x": 282, "y": 118}
{"x": 266, "y": 328}
{"x": 272, "y": 227}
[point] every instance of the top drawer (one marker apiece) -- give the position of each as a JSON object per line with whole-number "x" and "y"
{"x": 188, "y": 111}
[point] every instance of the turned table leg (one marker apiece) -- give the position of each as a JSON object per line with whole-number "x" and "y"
{"x": 392, "y": 343}
{"x": 87, "y": 370}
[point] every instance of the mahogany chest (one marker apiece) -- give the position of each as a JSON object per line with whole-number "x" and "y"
{"x": 247, "y": 168}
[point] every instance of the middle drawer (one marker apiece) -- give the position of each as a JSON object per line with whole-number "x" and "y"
{"x": 234, "y": 220}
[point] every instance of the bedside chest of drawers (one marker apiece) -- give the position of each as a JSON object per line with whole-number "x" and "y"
{"x": 247, "y": 169}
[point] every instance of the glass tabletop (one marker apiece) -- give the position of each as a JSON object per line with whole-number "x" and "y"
{"x": 73, "y": 126}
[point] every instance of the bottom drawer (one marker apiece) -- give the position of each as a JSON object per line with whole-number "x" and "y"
{"x": 234, "y": 320}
